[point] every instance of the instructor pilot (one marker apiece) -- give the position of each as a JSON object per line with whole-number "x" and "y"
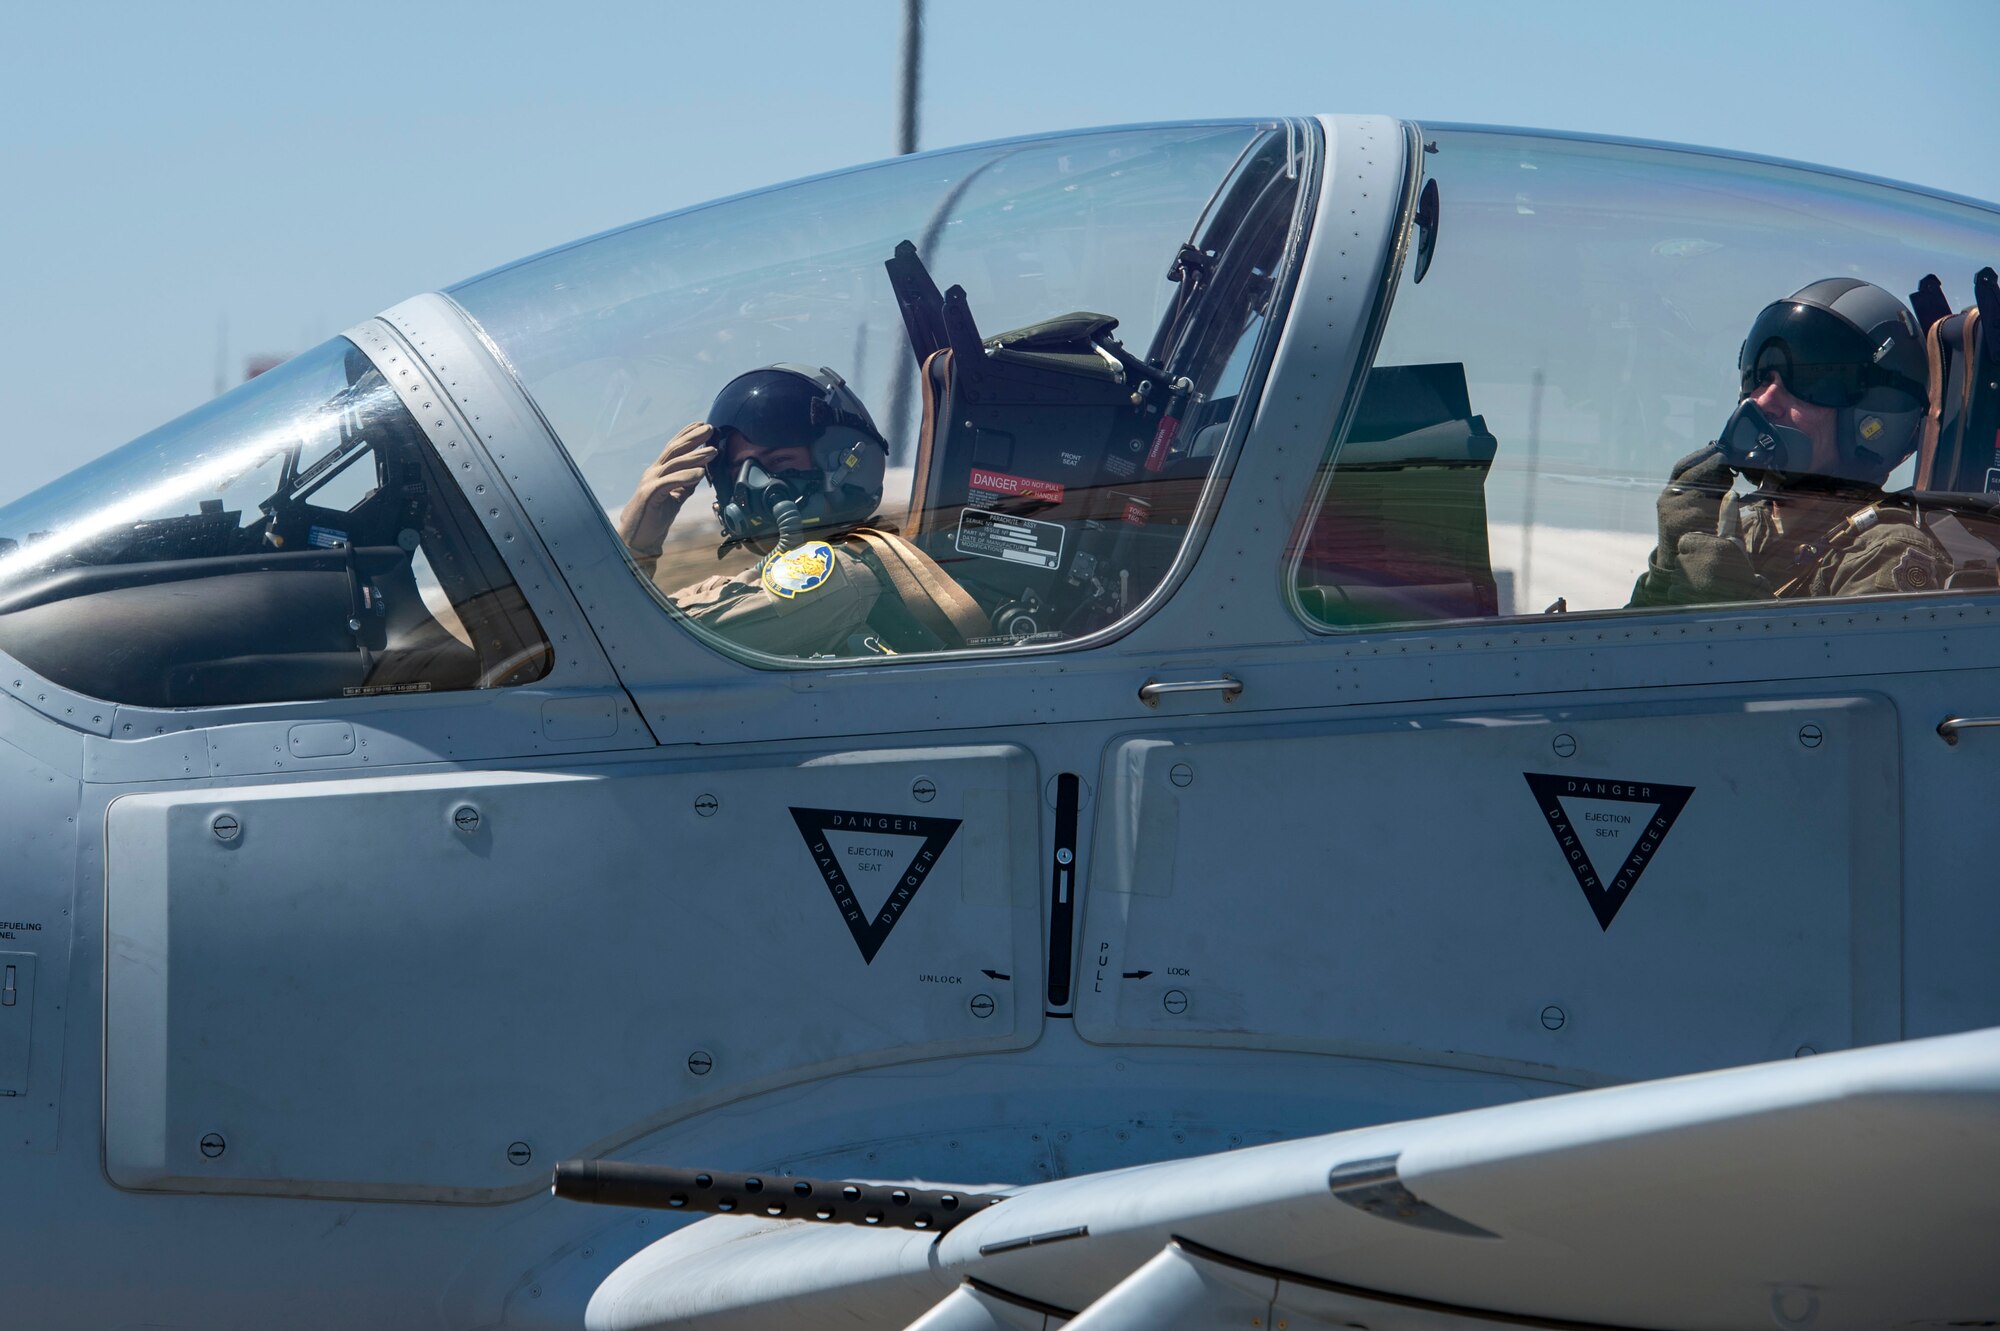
{"x": 797, "y": 465}
{"x": 1834, "y": 387}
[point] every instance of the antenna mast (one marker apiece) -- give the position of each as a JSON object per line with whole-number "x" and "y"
{"x": 912, "y": 71}
{"x": 906, "y": 143}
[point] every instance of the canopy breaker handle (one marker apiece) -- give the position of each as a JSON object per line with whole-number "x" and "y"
{"x": 835, "y": 1201}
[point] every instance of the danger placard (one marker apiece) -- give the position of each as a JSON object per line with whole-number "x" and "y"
{"x": 1607, "y": 831}
{"x": 991, "y": 486}
{"x": 873, "y": 864}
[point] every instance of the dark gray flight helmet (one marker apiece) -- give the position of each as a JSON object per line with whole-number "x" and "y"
{"x": 1849, "y": 345}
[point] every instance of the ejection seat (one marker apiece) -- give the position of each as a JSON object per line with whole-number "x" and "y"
{"x": 1048, "y": 480}
{"x": 1958, "y": 455}
{"x": 1960, "y": 449}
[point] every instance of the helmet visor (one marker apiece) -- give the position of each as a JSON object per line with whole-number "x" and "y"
{"x": 775, "y": 408}
{"x": 1818, "y": 356}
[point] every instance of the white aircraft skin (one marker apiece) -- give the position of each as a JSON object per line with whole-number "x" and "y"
{"x": 305, "y": 999}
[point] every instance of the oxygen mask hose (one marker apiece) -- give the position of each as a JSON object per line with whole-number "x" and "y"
{"x": 760, "y": 497}
{"x": 791, "y": 524}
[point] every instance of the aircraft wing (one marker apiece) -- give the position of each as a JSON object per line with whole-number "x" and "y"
{"x": 1855, "y": 1189}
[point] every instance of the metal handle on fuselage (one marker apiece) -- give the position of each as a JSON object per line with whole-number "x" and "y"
{"x": 1949, "y": 727}
{"x": 1152, "y": 691}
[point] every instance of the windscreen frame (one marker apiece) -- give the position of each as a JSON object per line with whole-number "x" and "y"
{"x": 459, "y": 452}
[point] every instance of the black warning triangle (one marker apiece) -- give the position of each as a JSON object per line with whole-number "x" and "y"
{"x": 1665, "y": 803}
{"x": 822, "y": 827}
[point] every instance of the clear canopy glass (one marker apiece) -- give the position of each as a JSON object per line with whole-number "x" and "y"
{"x": 294, "y": 538}
{"x": 1575, "y": 337}
{"x": 1047, "y": 366}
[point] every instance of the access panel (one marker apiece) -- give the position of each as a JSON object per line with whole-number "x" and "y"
{"x": 435, "y": 986}
{"x": 17, "y": 1020}
{"x": 1585, "y": 896}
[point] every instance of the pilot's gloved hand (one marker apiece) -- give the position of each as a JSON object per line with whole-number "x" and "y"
{"x": 664, "y": 487}
{"x": 1715, "y": 568}
{"x": 1692, "y": 503}
{"x": 1689, "y": 512}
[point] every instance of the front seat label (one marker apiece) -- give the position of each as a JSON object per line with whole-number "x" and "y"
{"x": 873, "y": 864}
{"x": 1607, "y": 825}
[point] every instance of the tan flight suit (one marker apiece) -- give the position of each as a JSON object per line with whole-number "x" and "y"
{"x": 828, "y": 620}
{"x": 880, "y": 597}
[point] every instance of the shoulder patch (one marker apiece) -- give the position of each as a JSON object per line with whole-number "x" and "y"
{"x": 796, "y": 572}
{"x": 1916, "y": 572}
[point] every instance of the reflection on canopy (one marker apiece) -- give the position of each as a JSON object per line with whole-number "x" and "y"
{"x": 1594, "y": 296}
{"x": 296, "y": 538}
{"x": 623, "y": 338}
{"x": 1053, "y": 415}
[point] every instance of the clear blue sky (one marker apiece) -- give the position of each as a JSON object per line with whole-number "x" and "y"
{"x": 296, "y": 167}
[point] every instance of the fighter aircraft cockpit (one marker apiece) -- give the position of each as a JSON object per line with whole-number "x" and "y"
{"x": 1040, "y": 433}
{"x": 1578, "y": 319}
{"x": 296, "y": 539}
{"x": 845, "y": 727}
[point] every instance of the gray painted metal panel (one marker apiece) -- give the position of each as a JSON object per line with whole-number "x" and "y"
{"x": 969, "y": 1309}
{"x": 40, "y": 760}
{"x": 472, "y": 726}
{"x": 17, "y": 1019}
{"x": 1183, "y": 1291}
{"x": 52, "y": 700}
{"x": 1767, "y": 1190}
{"x": 726, "y": 1274}
{"x": 1406, "y": 891}
{"x": 1061, "y": 1109}
{"x": 369, "y": 988}
{"x": 1301, "y": 1307}
{"x": 320, "y": 739}
{"x": 1789, "y": 1174}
